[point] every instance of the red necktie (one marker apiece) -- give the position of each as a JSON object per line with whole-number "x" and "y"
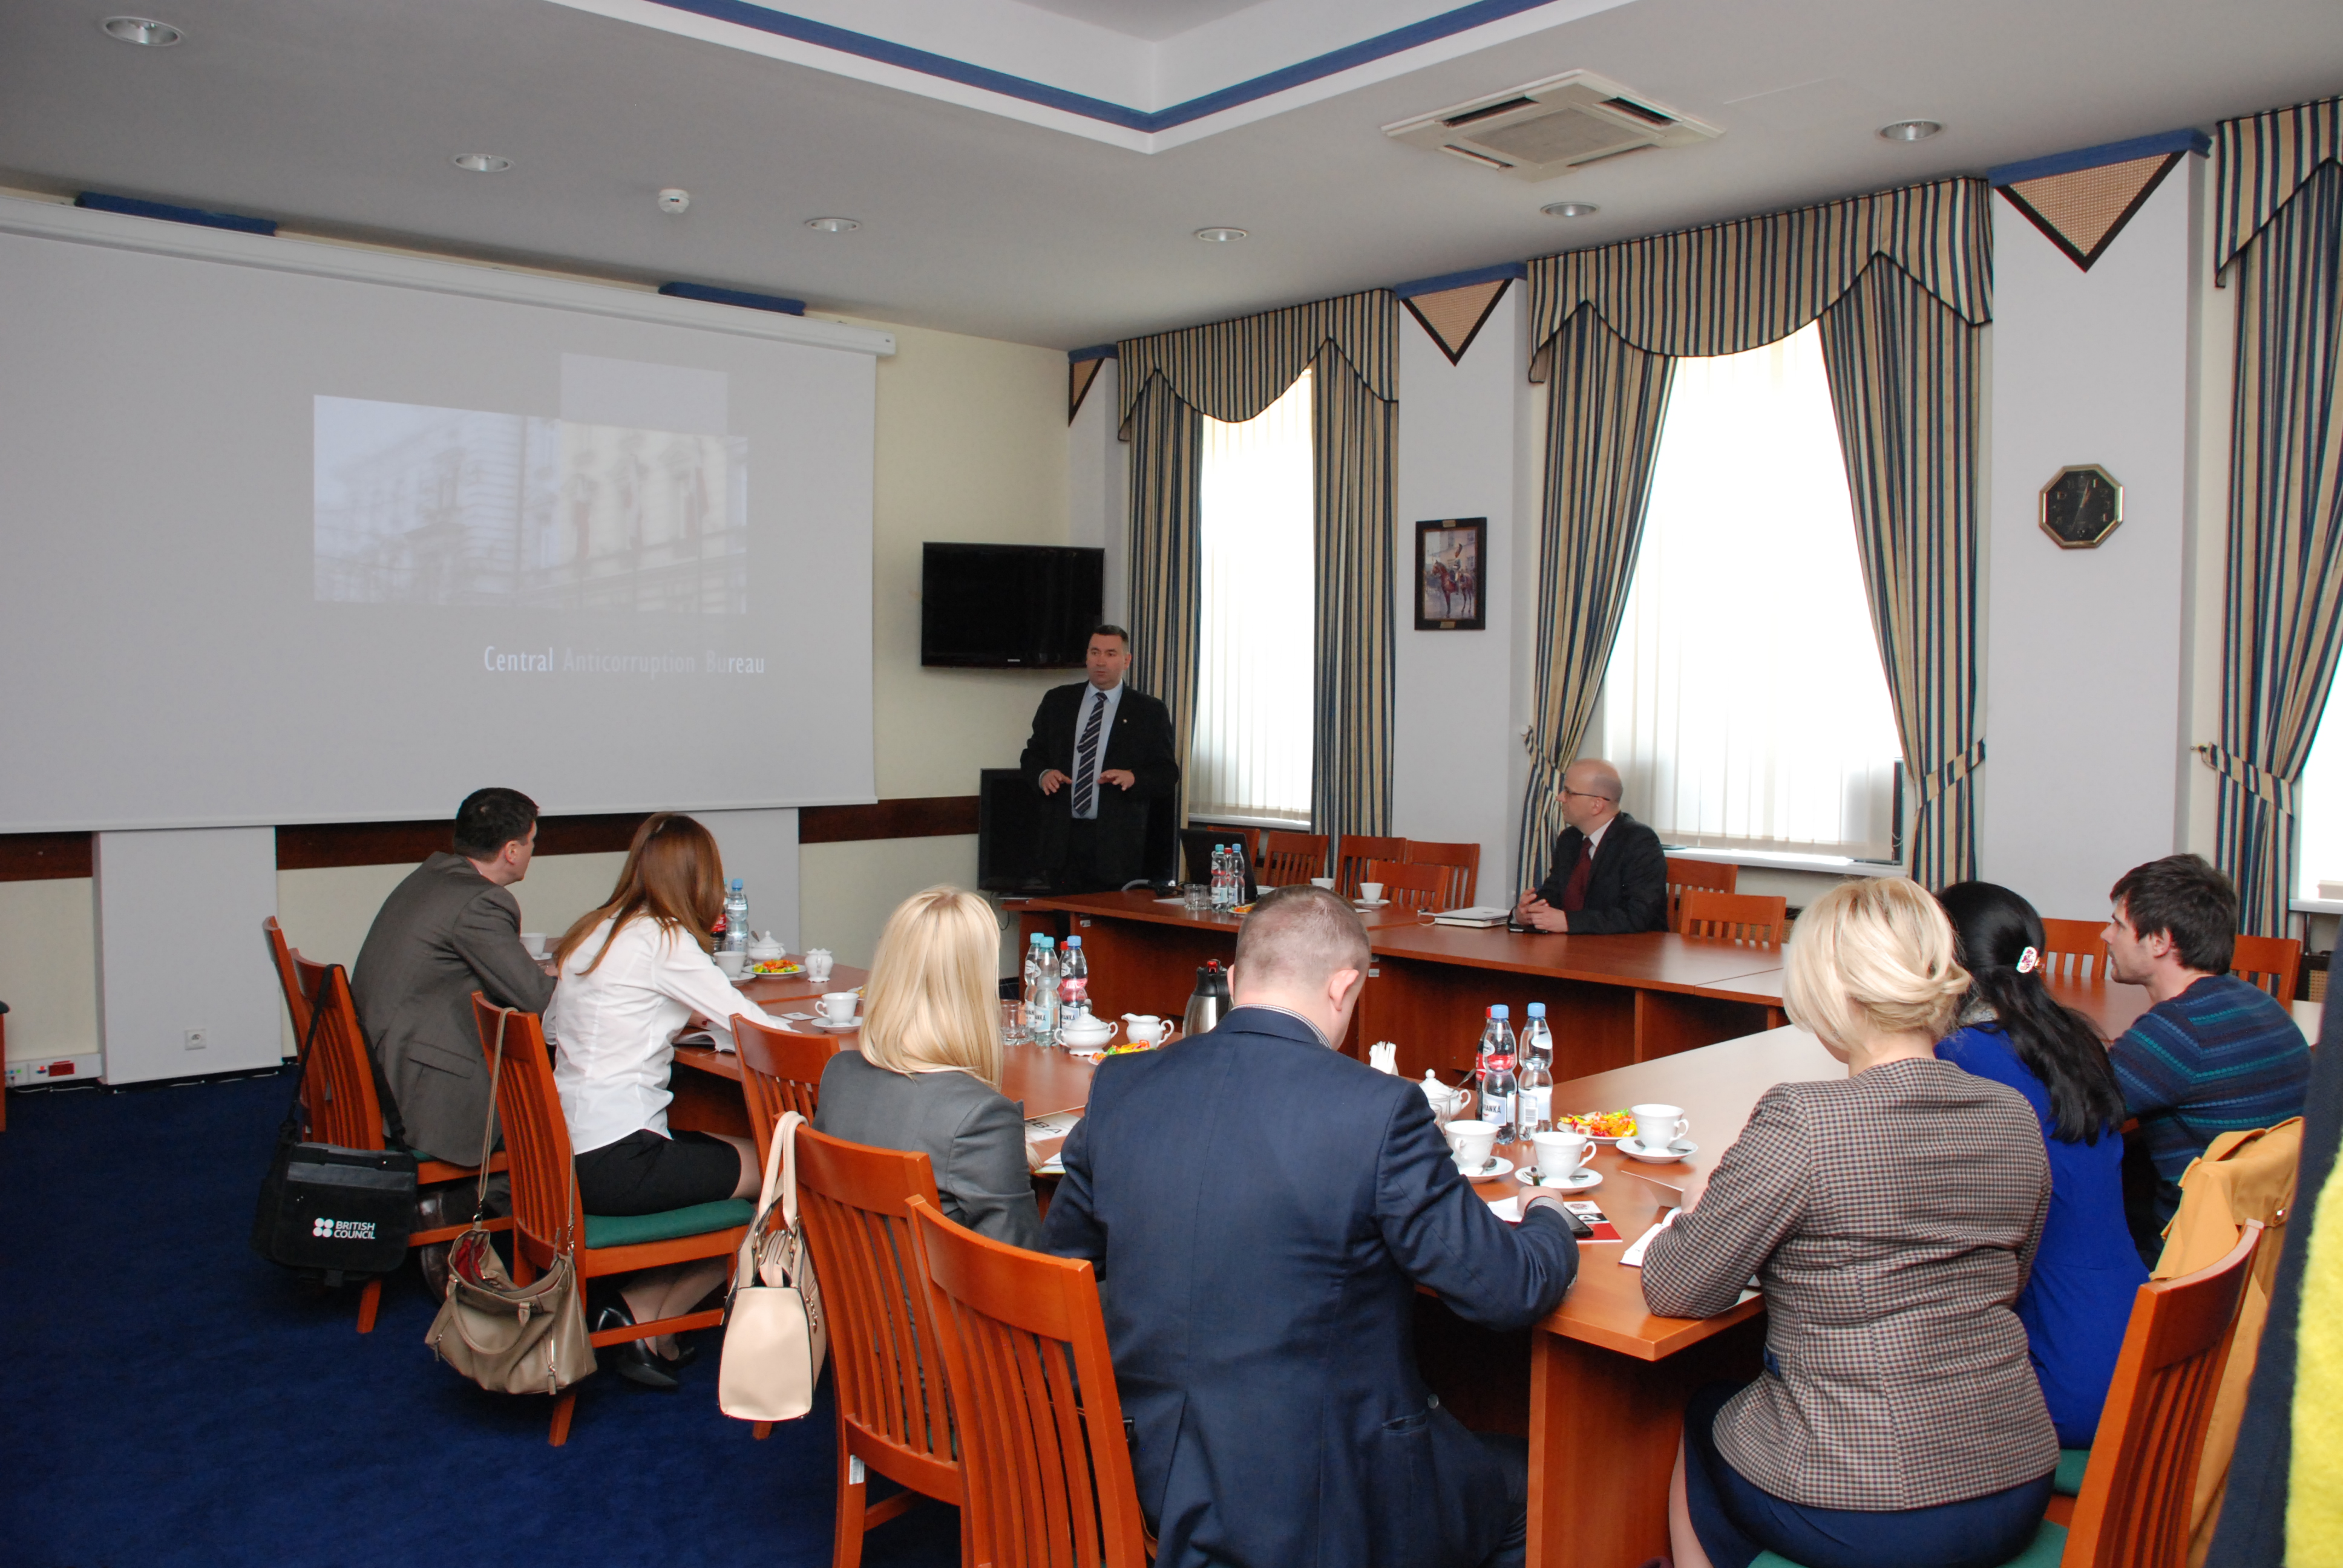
{"x": 1574, "y": 891}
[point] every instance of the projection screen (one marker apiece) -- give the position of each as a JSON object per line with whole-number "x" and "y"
{"x": 301, "y": 533}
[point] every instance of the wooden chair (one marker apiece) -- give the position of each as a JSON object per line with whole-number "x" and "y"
{"x": 1352, "y": 853}
{"x": 2074, "y": 952}
{"x": 291, "y": 975}
{"x": 2273, "y": 963}
{"x": 545, "y": 1205}
{"x": 1734, "y": 917}
{"x": 1716, "y": 876}
{"x": 1045, "y": 1460}
{"x": 1423, "y": 889}
{"x": 1288, "y": 860}
{"x": 893, "y": 1414}
{"x": 779, "y": 1070}
{"x": 1463, "y": 864}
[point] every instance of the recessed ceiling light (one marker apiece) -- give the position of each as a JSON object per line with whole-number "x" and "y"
{"x": 142, "y": 30}
{"x": 482, "y": 163}
{"x": 833, "y": 224}
{"x": 1910, "y": 130}
{"x": 1570, "y": 209}
{"x": 1220, "y": 235}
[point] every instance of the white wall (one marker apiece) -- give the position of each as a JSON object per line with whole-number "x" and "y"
{"x": 1455, "y": 738}
{"x": 178, "y": 922}
{"x": 1098, "y": 469}
{"x": 2085, "y": 667}
{"x": 49, "y": 967}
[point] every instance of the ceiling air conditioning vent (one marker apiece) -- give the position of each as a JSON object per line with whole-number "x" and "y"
{"x": 1550, "y": 127}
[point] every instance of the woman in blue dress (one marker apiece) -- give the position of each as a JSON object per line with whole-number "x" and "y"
{"x": 2078, "y": 1300}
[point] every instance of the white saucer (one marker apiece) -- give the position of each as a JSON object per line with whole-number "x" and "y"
{"x": 1498, "y": 1165}
{"x": 1588, "y": 1176}
{"x": 1371, "y": 903}
{"x": 821, "y": 1022}
{"x": 1681, "y": 1149}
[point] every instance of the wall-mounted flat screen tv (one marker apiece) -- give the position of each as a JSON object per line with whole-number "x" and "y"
{"x": 1009, "y": 606}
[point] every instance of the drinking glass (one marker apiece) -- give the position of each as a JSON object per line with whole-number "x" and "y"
{"x": 1197, "y": 896}
{"x": 1013, "y": 1022}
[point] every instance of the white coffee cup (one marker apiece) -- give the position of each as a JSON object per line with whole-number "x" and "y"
{"x": 1371, "y": 892}
{"x": 817, "y": 962}
{"x": 1658, "y": 1126}
{"x": 1471, "y": 1142}
{"x": 536, "y": 944}
{"x": 1325, "y": 882}
{"x": 1561, "y": 1155}
{"x": 837, "y": 1006}
{"x": 732, "y": 961}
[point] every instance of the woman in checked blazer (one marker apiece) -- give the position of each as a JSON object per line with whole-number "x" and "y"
{"x": 1891, "y": 1218}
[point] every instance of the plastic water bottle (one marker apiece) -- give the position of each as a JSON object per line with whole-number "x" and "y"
{"x": 1535, "y": 1074}
{"x": 1226, "y": 883}
{"x": 1499, "y": 1094}
{"x": 736, "y": 918}
{"x": 1074, "y": 981}
{"x": 1042, "y": 989}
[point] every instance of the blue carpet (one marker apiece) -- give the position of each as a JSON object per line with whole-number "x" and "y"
{"x": 173, "y": 1399}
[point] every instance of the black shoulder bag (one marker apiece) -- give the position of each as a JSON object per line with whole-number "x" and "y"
{"x": 330, "y": 1212}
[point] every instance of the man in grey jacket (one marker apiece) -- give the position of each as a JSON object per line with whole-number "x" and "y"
{"x": 450, "y": 929}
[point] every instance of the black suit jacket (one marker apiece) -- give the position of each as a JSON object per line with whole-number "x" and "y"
{"x": 1259, "y": 1211}
{"x": 1629, "y": 890}
{"x": 1139, "y": 738}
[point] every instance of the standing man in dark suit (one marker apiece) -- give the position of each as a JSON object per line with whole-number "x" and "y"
{"x": 450, "y": 929}
{"x": 1102, "y": 752}
{"x": 1259, "y": 1210}
{"x": 1609, "y": 872}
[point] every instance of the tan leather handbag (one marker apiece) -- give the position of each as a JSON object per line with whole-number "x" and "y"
{"x": 508, "y": 1338}
{"x": 774, "y": 1335}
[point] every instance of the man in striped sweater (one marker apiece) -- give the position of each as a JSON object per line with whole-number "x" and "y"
{"x": 2214, "y": 1054}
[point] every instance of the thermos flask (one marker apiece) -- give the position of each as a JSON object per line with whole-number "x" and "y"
{"x": 1209, "y": 1003}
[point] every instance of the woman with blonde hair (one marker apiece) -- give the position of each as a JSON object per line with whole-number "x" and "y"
{"x": 927, "y": 1078}
{"x": 633, "y": 974}
{"x": 1891, "y": 1218}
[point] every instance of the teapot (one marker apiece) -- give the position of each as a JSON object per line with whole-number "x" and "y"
{"x": 1446, "y": 1103}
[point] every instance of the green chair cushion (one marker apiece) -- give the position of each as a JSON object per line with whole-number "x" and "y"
{"x": 2048, "y": 1545}
{"x": 2072, "y": 1463}
{"x": 633, "y": 1230}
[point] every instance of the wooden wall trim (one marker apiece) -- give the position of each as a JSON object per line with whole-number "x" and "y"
{"x": 313, "y": 845}
{"x": 918, "y": 817}
{"x": 44, "y": 857}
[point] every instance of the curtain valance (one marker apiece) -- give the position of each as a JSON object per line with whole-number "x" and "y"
{"x": 1232, "y": 370}
{"x": 1734, "y": 286}
{"x": 2264, "y": 159}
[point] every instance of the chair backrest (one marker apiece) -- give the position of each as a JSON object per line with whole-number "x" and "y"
{"x": 2273, "y": 963}
{"x": 779, "y": 1071}
{"x": 1464, "y": 863}
{"x": 339, "y": 1087}
{"x": 1411, "y": 887}
{"x": 547, "y": 1219}
{"x": 1734, "y": 917}
{"x": 2076, "y": 955}
{"x": 2133, "y": 1512}
{"x": 855, "y": 1203}
{"x": 289, "y": 977}
{"x": 1717, "y": 875}
{"x": 1046, "y": 1467}
{"x": 1352, "y": 853}
{"x": 1288, "y": 860}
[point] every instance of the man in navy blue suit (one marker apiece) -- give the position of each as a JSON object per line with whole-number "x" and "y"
{"x": 1260, "y": 1209}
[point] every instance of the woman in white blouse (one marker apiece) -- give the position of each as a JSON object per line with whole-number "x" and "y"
{"x": 633, "y": 974}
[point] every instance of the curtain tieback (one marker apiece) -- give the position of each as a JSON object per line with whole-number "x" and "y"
{"x": 2250, "y": 777}
{"x": 1934, "y": 785}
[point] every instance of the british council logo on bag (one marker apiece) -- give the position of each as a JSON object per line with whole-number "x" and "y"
{"x": 342, "y": 1229}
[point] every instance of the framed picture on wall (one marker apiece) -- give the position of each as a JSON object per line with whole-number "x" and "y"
{"x": 1452, "y": 588}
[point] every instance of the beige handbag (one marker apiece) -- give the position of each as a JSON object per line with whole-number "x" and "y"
{"x": 508, "y": 1338}
{"x": 774, "y": 1336}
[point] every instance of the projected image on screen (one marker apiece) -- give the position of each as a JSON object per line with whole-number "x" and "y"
{"x": 417, "y": 505}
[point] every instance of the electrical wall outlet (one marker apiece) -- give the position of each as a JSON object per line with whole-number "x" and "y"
{"x": 196, "y": 1038}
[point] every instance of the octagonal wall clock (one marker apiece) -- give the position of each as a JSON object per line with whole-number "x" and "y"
{"x": 2081, "y": 507}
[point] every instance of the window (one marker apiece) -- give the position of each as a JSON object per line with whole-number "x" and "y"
{"x": 1251, "y": 757}
{"x": 1744, "y": 704}
{"x": 2319, "y": 831}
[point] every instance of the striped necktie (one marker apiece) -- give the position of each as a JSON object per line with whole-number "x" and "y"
{"x": 1086, "y": 755}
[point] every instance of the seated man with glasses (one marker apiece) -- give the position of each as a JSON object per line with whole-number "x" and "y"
{"x": 1609, "y": 872}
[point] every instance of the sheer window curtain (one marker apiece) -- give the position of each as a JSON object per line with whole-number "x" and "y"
{"x": 1251, "y": 756}
{"x": 1744, "y": 704}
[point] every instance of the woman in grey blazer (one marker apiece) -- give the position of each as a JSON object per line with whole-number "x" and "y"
{"x": 1891, "y": 1218}
{"x": 927, "y": 1077}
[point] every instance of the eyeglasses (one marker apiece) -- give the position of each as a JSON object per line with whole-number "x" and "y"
{"x": 1581, "y": 794}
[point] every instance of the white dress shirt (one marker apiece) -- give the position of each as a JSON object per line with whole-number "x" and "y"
{"x": 613, "y": 1030}
{"x": 1106, "y": 728}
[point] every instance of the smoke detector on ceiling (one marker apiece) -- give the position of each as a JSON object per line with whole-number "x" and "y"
{"x": 1550, "y": 127}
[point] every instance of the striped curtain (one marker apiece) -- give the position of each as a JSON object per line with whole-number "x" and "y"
{"x": 1911, "y": 452}
{"x": 2284, "y": 599}
{"x": 1232, "y": 370}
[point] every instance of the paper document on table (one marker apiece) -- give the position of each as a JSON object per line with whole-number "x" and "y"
{"x": 1509, "y": 1210}
{"x": 1633, "y": 1256}
{"x": 1057, "y": 1124}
